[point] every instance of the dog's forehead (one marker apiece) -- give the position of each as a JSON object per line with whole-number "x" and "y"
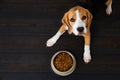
{"x": 77, "y": 11}
{"x": 82, "y": 12}
{"x": 72, "y": 13}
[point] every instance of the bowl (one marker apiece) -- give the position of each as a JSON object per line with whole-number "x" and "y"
{"x": 63, "y": 63}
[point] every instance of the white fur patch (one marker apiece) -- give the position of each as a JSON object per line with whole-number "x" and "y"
{"x": 109, "y": 9}
{"x": 78, "y": 23}
{"x": 86, "y": 55}
{"x": 53, "y": 40}
{"x": 66, "y": 27}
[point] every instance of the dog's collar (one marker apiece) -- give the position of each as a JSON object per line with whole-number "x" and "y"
{"x": 86, "y": 5}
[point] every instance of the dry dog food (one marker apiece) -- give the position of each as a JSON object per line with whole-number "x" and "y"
{"x": 63, "y": 62}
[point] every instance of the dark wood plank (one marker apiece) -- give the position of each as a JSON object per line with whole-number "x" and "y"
{"x": 26, "y": 25}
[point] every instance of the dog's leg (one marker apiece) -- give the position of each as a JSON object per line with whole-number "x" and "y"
{"x": 109, "y": 7}
{"x": 53, "y": 40}
{"x": 86, "y": 54}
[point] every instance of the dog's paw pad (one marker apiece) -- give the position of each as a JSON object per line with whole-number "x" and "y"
{"x": 50, "y": 42}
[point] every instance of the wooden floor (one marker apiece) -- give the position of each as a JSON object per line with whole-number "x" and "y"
{"x": 26, "y": 25}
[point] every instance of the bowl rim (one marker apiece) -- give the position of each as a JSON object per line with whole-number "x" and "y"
{"x": 61, "y": 73}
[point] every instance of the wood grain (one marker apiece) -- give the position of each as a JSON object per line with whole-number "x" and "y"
{"x": 26, "y": 25}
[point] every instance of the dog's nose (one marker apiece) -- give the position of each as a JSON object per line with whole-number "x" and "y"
{"x": 80, "y": 29}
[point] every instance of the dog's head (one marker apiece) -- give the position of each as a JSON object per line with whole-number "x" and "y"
{"x": 77, "y": 20}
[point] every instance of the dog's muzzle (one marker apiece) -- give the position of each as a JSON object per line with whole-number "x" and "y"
{"x": 80, "y": 29}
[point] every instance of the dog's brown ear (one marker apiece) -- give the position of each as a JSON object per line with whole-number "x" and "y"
{"x": 65, "y": 21}
{"x": 89, "y": 21}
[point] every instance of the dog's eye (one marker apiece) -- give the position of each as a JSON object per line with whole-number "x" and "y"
{"x": 84, "y": 17}
{"x": 72, "y": 20}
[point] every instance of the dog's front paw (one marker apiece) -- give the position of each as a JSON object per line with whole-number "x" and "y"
{"x": 87, "y": 57}
{"x": 50, "y": 42}
{"x": 109, "y": 10}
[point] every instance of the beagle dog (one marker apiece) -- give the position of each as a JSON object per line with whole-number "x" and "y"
{"x": 77, "y": 21}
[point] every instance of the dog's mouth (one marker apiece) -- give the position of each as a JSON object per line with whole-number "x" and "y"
{"x": 81, "y": 33}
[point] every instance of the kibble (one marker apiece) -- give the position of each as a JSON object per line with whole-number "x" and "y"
{"x": 63, "y": 62}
